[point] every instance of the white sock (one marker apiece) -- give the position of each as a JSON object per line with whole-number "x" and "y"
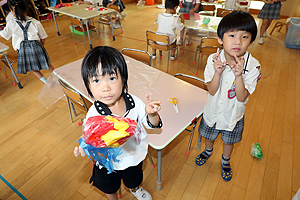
{"x": 225, "y": 160}
{"x": 43, "y": 79}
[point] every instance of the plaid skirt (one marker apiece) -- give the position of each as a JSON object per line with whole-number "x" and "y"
{"x": 270, "y": 11}
{"x": 187, "y": 6}
{"x": 32, "y": 56}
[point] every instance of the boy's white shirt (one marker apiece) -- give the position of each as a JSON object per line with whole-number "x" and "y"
{"x": 167, "y": 25}
{"x": 35, "y": 31}
{"x": 132, "y": 153}
{"x": 219, "y": 108}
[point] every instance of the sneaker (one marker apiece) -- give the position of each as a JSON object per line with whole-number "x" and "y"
{"x": 265, "y": 34}
{"x": 153, "y": 56}
{"x": 173, "y": 57}
{"x": 123, "y": 16}
{"x": 261, "y": 40}
{"x": 141, "y": 194}
{"x": 117, "y": 25}
{"x": 180, "y": 42}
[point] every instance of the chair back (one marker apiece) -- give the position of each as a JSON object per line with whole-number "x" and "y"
{"x": 209, "y": 45}
{"x": 192, "y": 80}
{"x": 154, "y": 37}
{"x": 220, "y": 11}
{"x": 116, "y": 8}
{"x": 75, "y": 21}
{"x": 139, "y": 55}
{"x": 225, "y": 12}
{"x": 75, "y": 97}
{"x": 209, "y": 8}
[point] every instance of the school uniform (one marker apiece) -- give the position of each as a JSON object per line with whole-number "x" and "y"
{"x": 134, "y": 150}
{"x": 187, "y": 5}
{"x": 167, "y": 25}
{"x": 32, "y": 56}
{"x": 223, "y": 111}
{"x": 270, "y": 11}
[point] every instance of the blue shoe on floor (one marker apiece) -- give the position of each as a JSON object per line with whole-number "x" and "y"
{"x": 226, "y": 172}
{"x": 202, "y": 158}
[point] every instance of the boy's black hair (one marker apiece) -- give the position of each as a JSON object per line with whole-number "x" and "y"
{"x": 21, "y": 8}
{"x": 171, "y": 4}
{"x": 111, "y": 61}
{"x": 238, "y": 21}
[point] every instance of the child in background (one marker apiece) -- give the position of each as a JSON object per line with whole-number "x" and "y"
{"x": 26, "y": 33}
{"x": 231, "y": 75}
{"x": 167, "y": 24}
{"x": 120, "y": 4}
{"x": 190, "y": 6}
{"x": 104, "y": 72}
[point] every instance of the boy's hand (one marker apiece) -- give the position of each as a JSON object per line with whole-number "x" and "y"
{"x": 152, "y": 107}
{"x": 218, "y": 64}
{"x": 79, "y": 151}
{"x": 239, "y": 67}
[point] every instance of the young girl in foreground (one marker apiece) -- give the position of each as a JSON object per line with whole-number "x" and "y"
{"x": 26, "y": 33}
{"x": 104, "y": 72}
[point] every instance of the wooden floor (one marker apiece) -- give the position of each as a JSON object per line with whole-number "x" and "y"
{"x": 37, "y": 143}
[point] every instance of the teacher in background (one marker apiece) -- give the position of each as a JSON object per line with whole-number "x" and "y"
{"x": 270, "y": 11}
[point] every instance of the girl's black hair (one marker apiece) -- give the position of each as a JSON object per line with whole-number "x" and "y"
{"x": 20, "y": 7}
{"x": 238, "y": 21}
{"x": 111, "y": 61}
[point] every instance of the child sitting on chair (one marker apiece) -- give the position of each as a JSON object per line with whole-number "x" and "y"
{"x": 231, "y": 75}
{"x": 167, "y": 24}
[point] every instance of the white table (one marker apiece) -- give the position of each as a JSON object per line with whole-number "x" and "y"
{"x": 160, "y": 86}
{"x": 3, "y": 49}
{"x": 80, "y": 12}
{"x": 197, "y": 24}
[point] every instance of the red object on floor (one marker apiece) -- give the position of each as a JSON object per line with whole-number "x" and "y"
{"x": 150, "y": 2}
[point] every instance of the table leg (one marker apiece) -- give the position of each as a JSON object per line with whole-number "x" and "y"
{"x": 12, "y": 71}
{"x": 158, "y": 182}
{"x": 112, "y": 28}
{"x": 55, "y": 24}
{"x": 88, "y": 32}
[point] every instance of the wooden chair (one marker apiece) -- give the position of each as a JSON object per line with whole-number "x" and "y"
{"x": 222, "y": 12}
{"x": 139, "y": 55}
{"x": 201, "y": 84}
{"x": 207, "y": 46}
{"x": 279, "y": 24}
{"x": 111, "y": 20}
{"x": 74, "y": 98}
{"x": 153, "y": 38}
{"x": 8, "y": 60}
{"x": 193, "y": 35}
{"x": 208, "y": 10}
{"x": 78, "y": 25}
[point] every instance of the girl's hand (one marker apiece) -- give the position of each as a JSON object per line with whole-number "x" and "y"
{"x": 109, "y": 4}
{"x": 239, "y": 67}
{"x": 192, "y": 11}
{"x": 152, "y": 107}
{"x": 79, "y": 151}
{"x": 218, "y": 64}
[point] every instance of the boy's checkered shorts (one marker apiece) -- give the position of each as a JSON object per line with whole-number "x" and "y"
{"x": 228, "y": 137}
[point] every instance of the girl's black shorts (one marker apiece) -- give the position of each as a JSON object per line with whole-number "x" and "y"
{"x": 110, "y": 183}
